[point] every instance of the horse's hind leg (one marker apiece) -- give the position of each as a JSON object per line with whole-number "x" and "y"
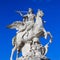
{"x": 13, "y": 50}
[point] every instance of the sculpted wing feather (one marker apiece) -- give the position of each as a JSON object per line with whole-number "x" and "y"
{"x": 15, "y": 25}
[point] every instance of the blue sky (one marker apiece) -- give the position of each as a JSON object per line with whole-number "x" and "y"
{"x": 8, "y": 15}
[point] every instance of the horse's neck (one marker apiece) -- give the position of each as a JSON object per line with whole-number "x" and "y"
{"x": 39, "y": 22}
{"x": 38, "y": 19}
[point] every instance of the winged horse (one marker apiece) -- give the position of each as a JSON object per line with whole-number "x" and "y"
{"x": 37, "y": 31}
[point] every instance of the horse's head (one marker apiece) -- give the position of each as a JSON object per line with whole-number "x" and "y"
{"x": 40, "y": 13}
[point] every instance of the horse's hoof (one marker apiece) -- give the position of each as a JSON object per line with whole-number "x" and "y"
{"x": 10, "y": 58}
{"x": 45, "y": 36}
{"x": 50, "y": 41}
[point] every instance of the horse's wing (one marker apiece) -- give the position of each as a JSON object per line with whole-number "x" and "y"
{"x": 15, "y": 25}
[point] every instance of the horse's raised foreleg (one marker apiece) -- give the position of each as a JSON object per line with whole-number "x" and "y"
{"x": 45, "y": 33}
{"x": 48, "y": 33}
{"x": 13, "y": 50}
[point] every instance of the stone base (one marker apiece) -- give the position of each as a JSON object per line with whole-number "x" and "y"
{"x": 32, "y": 58}
{"x": 45, "y": 59}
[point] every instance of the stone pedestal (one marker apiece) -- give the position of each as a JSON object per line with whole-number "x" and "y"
{"x": 45, "y": 59}
{"x": 29, "y": 58}
{"x": 33, "y": 52}
{"x": 32, "y": 58}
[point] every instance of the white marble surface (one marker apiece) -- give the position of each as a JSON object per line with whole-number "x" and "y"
{"x": 30, "y": 30}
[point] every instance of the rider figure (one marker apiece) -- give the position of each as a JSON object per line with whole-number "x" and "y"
{"x": 28, "y": 18}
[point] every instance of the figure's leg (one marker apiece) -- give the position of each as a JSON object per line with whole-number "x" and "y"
{"x": 13, "y": 50}
{"x": 30, "y": 34}
{"x": 30, "y": 26}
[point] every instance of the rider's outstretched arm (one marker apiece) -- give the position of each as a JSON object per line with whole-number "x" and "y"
{"x": 19, "y": 13}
